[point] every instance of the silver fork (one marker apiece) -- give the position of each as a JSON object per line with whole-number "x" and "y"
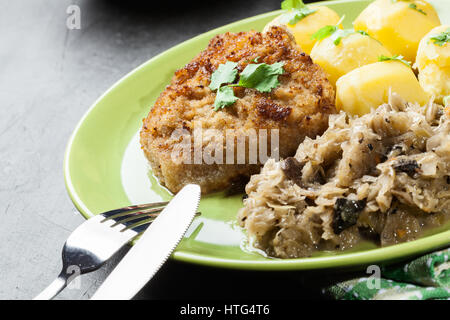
{"x": 98, "y": 239}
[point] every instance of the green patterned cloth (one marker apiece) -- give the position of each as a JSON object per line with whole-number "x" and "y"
{"x": 427, "y": 277}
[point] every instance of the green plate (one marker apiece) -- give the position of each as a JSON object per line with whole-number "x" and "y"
{"x": 104, "y": 166}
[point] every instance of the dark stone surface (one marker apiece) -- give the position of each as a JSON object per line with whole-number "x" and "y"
{"x": 49, "y": 76}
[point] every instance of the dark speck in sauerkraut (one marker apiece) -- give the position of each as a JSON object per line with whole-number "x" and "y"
{"x": 410, "y": 167}
{"x": 346, "y": 213}
{"x": 292, "y": 169}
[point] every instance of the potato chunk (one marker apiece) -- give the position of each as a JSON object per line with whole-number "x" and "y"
{"x": 400, "y": 25}
{"x": 306, "y": 27}
{"x": 368, "y": 86}
{"x": 433, "y": 62}
{"x": 353, "y": 51}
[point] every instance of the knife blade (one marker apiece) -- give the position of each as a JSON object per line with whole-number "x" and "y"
{"x": 154, "y": 247}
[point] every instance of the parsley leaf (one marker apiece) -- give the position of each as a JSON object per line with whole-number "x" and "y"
{"x": 411, "y": 5}
{"x": 262, "y": 77}
{"x": 363, "y": 33}
{"x": 335, "y": 33}
{"x": 292, "y": 4}
{"x": 326, "y": 31}
{"x": 297, "y": 10}
{"x": 225, "y": 73}
{"x": 224, "y": 97}
{"x": 294, "y": 16}
{"x": 441, "y": 38}
{"x": 396, "y": 57}
{"x": 414, "y": 7}
{"x": 339, "y": 34}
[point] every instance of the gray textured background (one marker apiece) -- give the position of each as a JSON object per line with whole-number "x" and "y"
{"x": 49, "y": 76}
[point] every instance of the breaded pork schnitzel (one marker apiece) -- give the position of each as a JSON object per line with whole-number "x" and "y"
{"x": 298, "y": 107}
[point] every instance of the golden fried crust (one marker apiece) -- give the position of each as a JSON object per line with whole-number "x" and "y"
{"x": 298, "y": 107}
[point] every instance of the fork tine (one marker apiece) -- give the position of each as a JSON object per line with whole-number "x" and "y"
{"x": 141, "y": 228}
{"x": 140, "y": 223}
{"x": 134, "y": 217}
{"x": 127, "y": 210}
{"x": 125, "y": 215}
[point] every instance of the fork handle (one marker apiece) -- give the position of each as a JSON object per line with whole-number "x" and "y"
{"x": 53, "y": 289}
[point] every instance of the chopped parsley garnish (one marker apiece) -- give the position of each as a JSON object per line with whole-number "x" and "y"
{"x": 260, "y": 76}
{"x": 441, "y": 38}
{"x": 335, "y": 33}
{"x": 297, "y": 10}
{"x": 414, "y": 7}
{"x": 225, "y": 97}
{"x": 326, "y": 31}
{"x": 363, "y": 33}
{"x": 225, "y": 73}
{"x": 292, "y": 4}
{"x": 339, "y": 34}
{"x": 396, "y": 57}
{"x": 411, "y": 5}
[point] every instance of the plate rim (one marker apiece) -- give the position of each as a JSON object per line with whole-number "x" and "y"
{"x": 355, "y": 259}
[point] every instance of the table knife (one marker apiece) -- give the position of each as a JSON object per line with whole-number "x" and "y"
{"x": 153, "y": 248}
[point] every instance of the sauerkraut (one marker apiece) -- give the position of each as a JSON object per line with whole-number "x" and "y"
{"x": 383, "y": 177}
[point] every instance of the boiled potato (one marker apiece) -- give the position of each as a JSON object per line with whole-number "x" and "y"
{"x": 433, "y": 62}
{"x": 305, "y": 28}
{"x": 397, "y": 25}
{"x": 368, "y": 87}
{"x": 352, "y": 52}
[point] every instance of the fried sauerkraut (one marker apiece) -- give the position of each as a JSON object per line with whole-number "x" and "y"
{"x": 383, "y": 177}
